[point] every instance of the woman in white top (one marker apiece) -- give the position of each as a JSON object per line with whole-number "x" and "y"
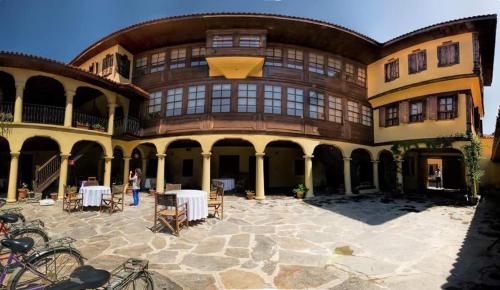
{"x": 136, "y": 185}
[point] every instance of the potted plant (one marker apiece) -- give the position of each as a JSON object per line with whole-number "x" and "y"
{"x": 22, "y": 192}
{"x": 53, "y": 196}
{"x": 300, "y": 190}
{"x": 82, "y": 125}
{"x": 250, "y": 194}
{"x": 98, "y": 127}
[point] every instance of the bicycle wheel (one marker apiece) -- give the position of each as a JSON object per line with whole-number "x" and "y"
{"x": 55, "y": 264}
{"x": 142, "y": 282}
{"x": 37, "y": 234}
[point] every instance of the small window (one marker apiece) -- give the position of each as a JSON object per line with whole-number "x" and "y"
{"x": 352, "y": 112}
{"x": 316, "y": 63}
{"x": 391, "y": 70}
{"x": 91, "y": 68}
{"x": 295, "y": 59}
{"x": 295, "y": 102}
{"x": 154, "y": 102}
{"x": 349, "y": 73}
{"x": 334, "y": 67}
{"x": 274, "y": 57}
{"x": 361, "y": 80}
{"x": 316, "y": 105}
{"x": 174, "y": 102}
{"x": 366, "y": 115}
{"x": 157, "y": 62}
{"x": 448, "y": 54}
{"x": 249, "y": 41}
{"x": 107, "y": 65}
{"x": 299, "y": 167}
{"x": 187, "y": 167}
{"x": 221, "y": 98}
{"x": 178, "y": 58}
{"x": 222, "y": 41}
{"x": 335, "y": 109}
{"x": 447, "y": 108}
{"x": 198, "y": 56}
{"x": 272, "y": 99}
{"x": 247, "y": 98}
{"x": 417, "y": 111}
{"x": 141, "y": 62}
{"x": 196, "y": 99}
{"x": 392, "y": 115}
{"x": 417, "y": 62}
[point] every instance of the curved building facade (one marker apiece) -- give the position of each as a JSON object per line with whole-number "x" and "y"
{"x": 266, "y": 101}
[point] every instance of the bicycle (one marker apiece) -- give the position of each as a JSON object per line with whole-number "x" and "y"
{"x": 41, "y": 268}
{"x": 31, "y": 229}
{"x": 132, "y": 274}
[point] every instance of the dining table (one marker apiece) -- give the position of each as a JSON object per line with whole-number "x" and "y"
{"x": 92, "y": 195}
{"x": 197, "y": 202}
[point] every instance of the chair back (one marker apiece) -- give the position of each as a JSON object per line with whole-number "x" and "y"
{"x": 92, "y": 178}
{"x": 118, "y": 190}
{"x": 217, "y": 190}
{"x": 70, "y": 191}
{"x": 91, "y": 183}
{"x": 173, "y": 186}
{"x": 165, "y": 201}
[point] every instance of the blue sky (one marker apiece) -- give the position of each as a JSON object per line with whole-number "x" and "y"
{"x": 60, "y": 29}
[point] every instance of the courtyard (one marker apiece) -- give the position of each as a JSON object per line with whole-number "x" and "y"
{"x": 359, "y": 242}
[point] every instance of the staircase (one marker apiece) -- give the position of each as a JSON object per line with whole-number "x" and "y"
{"x": 49, "y": 172}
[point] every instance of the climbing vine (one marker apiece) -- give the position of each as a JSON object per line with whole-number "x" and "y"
{"x": 5, "y": 119}
{"x": 399, "y": 147}
{"x": 472, "y": 158}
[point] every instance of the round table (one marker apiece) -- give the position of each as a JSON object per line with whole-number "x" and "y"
{"x": 92, "y": 195}
{"x": 197, "y": 202}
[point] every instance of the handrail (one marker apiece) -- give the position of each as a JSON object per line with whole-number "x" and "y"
{"x": 48, "y": 161}
{"x": 33, "y": 113}
{"x": 7, "y": 107}
{"x": 48, "y": 170}
{"x": 90, "y": 120}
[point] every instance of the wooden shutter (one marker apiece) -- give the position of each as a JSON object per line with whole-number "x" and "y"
{"x": 432, "y": 107}
{"x": 381, "y": 117}
{"x": 404, "y": 112}
{"x": 457, "y": 53}
{"x": 412, "y": 63}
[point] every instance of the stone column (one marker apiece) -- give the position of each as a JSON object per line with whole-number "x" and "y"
{"x": 375, "y": 174}
{"x": 107, "y": 170}
{"x": 205, "y": 182}
{"x": 308, "y": 175}
{"x": 160, "y": 173}
{"x": 111, "y": 118}
{"x": 259, "y": 176}
{"x": 14, "y": 161}
{"x": 68, "y": 112}
{"x": 18, "y": 105}
{"x": 347, "y": 175}
{"x": 399, "y": 174}
{"x": 126, "y": 169}
{"x": 63, "y": 175}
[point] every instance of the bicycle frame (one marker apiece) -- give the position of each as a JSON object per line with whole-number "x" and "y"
{"x": 19, "y": 262}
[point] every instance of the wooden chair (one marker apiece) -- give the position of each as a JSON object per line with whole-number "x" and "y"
{"x": 115, "y": 200}
{"x": 169, "y": 213}
{"x": 92, "y": 178}
{"x": 172, "y": 186}
{"x": 216, "y": 199}
{"x": 72, "y": 200}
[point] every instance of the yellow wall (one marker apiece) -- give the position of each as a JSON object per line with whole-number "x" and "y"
{"x": 491, "y": 175}
{"x": 115, "y": 76}
{"x": 174, "y": 161}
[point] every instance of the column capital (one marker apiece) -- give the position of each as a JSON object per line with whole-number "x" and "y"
{"x": 15, "y": 154}
{"x": 306, "y": 156}
{"x": 127, "y": 157}
{"x": 375, "y": 161}
{"x": 64, "y": 155}
{"x": 260, "y": 154}
{"x": 70, "y": 93}
{"x": 161, "y": 156}
{"x": 347, "y": 158}
{"x": 112, "y": 105}
{"x": 108, "y": 158}
{"x": 206, "y": 154}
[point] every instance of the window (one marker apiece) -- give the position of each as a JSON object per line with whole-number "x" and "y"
{"x": 91, "y": 68}
{"x": 178, "y": 58}
{"x": 272, "y": 99}
{"x": 366, "y": 115}
{"x": 391, "y": 70}
{"x": 274, "y": 57}
{"x": 417, "y": 62}
{"x": 352, "y": 112}
{"x": 448, "y": 54}
{"x": 157, "y": 62}
{"x": 154, "y": 103}
{"x": 196, "y": 99}
{"x": 198, "y": 56}
{"x": 295, "y": 59}
{"x": 295, "y": 102}
{"x": 316, "y": 105}
{"x": 416, "y": 111}
{"x": 299, "y": 167}
{"x": 187, "y": 167}
{"x": 392, "y": 115}
{"x": 335, "y": 109}
{"x": 249, "y": 41}
{"x": 222, "y": 41}
{"x": 334, "y": 67}
{"x": 247, "y": 98}
{"x": 141, "y": 62}
{"x": 174, "y": 102}
{"x": 123, "y": 65}
{"x": 107, "y": 65}
{"x": 316, "y": 63}
{"x": 221, "y": 98}
{"x": 349, "y": 73}
{"x": 447, "y": 108}
{"x": 361, "y": 81}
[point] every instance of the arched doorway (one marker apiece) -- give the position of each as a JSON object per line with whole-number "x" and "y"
{"x": 184, "y": 164}
{"x": 44, "y": 101}
{"x": 361, "y": 170}
{"x": 86, "y": 160}
{"x": 328, "y": 170}
{"x": 144, "y": 157}
{"x": 4, "y": 166}
{"x": 7, "y": 93}
{"x": 90, "y": 109}
{"x": 234, "y": 159}
{"x": 387, "y": 171}
{"x": 284, "y": 167}
{"x": 117, "y": 165}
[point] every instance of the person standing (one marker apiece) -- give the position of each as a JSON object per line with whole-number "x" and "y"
{"x": 438, "y": 178}
{"x": 136, "y": 185}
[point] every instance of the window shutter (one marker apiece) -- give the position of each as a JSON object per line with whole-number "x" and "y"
{"x": 432, "y": 107}
{"x": 381, "y": 117}
{"x": 440, "y": 55}
{"x": 403, "y": 112}
{"x": 423, "y": 56}
{"x": 456, "y": 53}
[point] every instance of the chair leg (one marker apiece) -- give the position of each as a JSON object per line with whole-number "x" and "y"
{"x": 222, "y": 211}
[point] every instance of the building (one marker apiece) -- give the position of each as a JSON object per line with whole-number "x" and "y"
{"x": 269, "y": 100}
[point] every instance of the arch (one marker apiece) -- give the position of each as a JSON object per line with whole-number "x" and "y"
{"x": 386, "y": 171}
{"x": 7, "y": 89}
{"x": 144, "y": 158}
{"x": 186, "y": 139}
{"x": 25, "y": 141}
{"x": 97, "y": 141}
{"x": 284, "y": 166}
{"x": 117, "y": 165}
{"x": 44, "y": 100}
{"x": 119, "y": 147}
{"x": 4, "y": 164}
{"x": 285, "y": 140}
{"x": 90, "y": 107}
{"x": 328, "y": 169}
{"x": 184, "y": 163}
{"x": 361, "y": 169}
{"x": 88, "y": 160}
{"x": 221, "y": 139}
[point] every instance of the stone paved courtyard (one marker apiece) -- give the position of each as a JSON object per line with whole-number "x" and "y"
{"x": 281, "y": 242}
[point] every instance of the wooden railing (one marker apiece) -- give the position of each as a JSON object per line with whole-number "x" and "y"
{"x": 83, "y": 120}
{"x": 46, "y": 173}
{"x": 43, "y": 114}
{"x": 132, "y": 126}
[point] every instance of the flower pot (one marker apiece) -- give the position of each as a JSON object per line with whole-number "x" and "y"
{"x": 53, "y": 195}
{"x": 129, "y": 190}
{"x": 82, "y": 126}
{"x": 250, "y": 194}
{"x": 152, "y": 192}
{"x": 299, "y": 194}
{"x": 22, "y": 192}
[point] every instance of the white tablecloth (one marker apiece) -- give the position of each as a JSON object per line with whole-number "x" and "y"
{"x": 228, "y": 183}
{"x": 197, "y": 202}
{"x": 150, "y": 183}
{"x": 92, "y": 194}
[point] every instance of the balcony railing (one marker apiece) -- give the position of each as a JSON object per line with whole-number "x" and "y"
{"x": 132, "y": 126}
{"x": 7, "y": 108}
{"x": 43, "y": 114}
{"x": 86, "y": 121}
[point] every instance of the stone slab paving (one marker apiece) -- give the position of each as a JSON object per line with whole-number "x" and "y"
{"x": 325, "y": 242}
